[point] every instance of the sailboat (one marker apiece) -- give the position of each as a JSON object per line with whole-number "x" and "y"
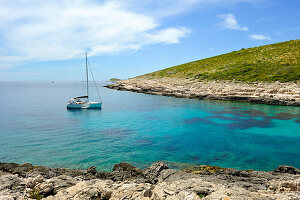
{"x": 83, "y": 102}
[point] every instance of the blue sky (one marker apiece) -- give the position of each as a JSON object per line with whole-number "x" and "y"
{"x": 46, "y": 40}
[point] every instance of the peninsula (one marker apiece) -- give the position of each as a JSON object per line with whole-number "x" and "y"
{"x": 267, "y": 74}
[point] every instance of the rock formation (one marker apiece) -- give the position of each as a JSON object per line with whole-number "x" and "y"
{"x": 156, "y": 182}
{"x": 264, "y": 93}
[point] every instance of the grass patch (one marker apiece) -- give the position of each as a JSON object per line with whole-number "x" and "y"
{"x": 270, "y": 63}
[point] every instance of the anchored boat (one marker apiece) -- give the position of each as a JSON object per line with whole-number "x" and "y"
{"x": 83, "y": 102}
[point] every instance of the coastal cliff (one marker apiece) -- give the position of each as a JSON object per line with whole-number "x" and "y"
{"x": 155, "y": 182}
{"x": 268, "y": 74}
{"x": 265, "y": 93}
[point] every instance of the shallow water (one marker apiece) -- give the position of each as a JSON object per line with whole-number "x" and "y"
{"x": 140, "y": 129}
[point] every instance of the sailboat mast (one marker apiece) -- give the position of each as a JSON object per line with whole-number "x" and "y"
{"x": 87, "y": 77}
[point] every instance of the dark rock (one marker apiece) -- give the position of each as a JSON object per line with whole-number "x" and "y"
{"x": 16, "y": 168}
{"x": 125, "y": 171}
{"x": 241, "y": 173}
{"x": 8, "y": 167}
{"x": 152, "y": 173}
{"x": 287, "y": 169}
{"x": 92, "y": 170}
{"x": 149, "y": 192}
{"x": 28, "y": 170}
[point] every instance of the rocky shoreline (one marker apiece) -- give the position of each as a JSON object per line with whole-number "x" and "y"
{"x": 287, "y": 94}
{"x": 155, "y": 182}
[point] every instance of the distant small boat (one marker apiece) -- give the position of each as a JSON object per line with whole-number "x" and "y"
{"x": 52, "y": 82}
{"x": 83, "y": 102}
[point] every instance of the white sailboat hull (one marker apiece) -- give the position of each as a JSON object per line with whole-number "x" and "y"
{"x": 77, "y": 102}
{"x": 88, "y": 105}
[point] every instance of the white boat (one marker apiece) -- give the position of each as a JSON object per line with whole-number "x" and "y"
{"x": 83, "y": 102}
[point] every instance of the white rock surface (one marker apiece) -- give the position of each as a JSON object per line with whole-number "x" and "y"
{"x": 266, "y": 93}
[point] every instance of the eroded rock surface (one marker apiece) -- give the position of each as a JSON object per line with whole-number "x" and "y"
{"x": 264, "y": 93}
{"x": 153, "y": 183}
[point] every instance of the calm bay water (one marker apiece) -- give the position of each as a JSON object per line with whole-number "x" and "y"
{"x": 36, "y": 127}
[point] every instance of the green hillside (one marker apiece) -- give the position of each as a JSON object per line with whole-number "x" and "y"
{"x": 275, "y": 62}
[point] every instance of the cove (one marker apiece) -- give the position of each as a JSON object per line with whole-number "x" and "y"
{"x": 141, "y": 129}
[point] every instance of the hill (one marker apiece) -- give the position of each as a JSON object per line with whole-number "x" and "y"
{"x": 270, "y": 63}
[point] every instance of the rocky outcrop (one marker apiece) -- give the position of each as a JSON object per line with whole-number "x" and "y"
{"x": 153, "y": 172}
{"x": 125, "y": 171}
{"x": 264, "y": 93}
{"x": 153, "y": 183}
{"x": 287, "y": 169}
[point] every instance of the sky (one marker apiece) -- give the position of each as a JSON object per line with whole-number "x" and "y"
{"x": 46, "y": 40}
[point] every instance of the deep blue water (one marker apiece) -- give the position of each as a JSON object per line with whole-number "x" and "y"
{"x": 36, "y": 127}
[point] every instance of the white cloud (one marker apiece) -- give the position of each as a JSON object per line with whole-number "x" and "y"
{"x": 260, "y": 37}
{"x": 36, "y": 30}
{"x": 229, "y": 22}
{"x": 167, "y": 36}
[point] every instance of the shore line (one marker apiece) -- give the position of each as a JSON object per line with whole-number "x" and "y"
{"x": 286, "y": 94}
{"x": 156, "y": 182}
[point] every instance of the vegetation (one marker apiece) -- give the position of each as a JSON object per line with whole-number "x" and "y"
{"x": 275, "y": 62}
{"x": 114, "y": 80}
{"x": 204, "y": 168}
{"x": 35, "y": 194}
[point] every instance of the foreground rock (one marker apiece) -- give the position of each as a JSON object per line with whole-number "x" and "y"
{"x": 156, "y": 182}
{"x": 265, "y": 93}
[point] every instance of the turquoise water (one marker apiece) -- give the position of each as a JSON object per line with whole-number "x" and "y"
{"x": 140, "y": 129}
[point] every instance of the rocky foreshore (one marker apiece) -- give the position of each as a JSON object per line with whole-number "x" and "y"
{"x": 155, "y": 182}
{"x": 277, "y": 93}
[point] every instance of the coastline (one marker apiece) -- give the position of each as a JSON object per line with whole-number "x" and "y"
{"x": 155, "y": 182}
{"x": 287, "y": 94}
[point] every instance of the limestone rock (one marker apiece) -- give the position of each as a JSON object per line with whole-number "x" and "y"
{"x": 63, "y": 181}
{"x": 153, "y": 183}
{"x": 265, "y": 93}
{"x": 32, "y": 182}
{"x": 152, "y": 173}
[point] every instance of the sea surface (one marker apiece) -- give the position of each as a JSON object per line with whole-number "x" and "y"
{"x": 36, "y": 127}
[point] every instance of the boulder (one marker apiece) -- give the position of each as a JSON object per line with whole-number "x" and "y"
{"x": 125, "y": 171}
{"x": 152, "y": 173}
{"x": 287, "y": 169}
{"x": 32, "y": 182}
{"x": 62, "y": 182}
{"x": 92, "y": 170}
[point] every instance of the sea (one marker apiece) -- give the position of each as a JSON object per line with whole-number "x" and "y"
{"x": 36, "y": 127}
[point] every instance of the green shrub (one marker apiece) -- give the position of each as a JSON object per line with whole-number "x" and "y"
{"x": 35, "y": 194}
{"x": 275, "y": 62}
